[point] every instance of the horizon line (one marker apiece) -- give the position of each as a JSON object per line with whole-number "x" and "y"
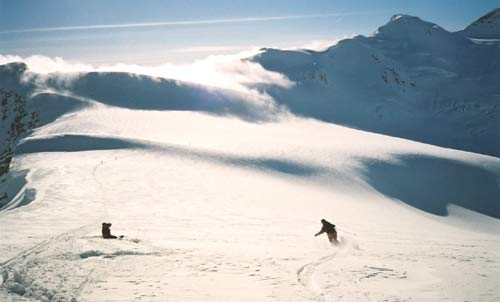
{"x": 187, "y": 22}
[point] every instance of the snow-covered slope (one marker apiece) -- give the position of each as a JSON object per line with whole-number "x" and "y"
{"x": 216, "y": 208}
{"x": 219, "y": 193}
{"x": 486, "y": 27}
{"x": 411, "y": 79}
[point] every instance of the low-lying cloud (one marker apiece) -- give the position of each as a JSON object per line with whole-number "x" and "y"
{"x": 228, "y": 80}
{"x": 223, "y": 71}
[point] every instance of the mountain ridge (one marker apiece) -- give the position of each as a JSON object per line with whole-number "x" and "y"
{"x": 410, "y": 79}
{"x": 486, "y": 27}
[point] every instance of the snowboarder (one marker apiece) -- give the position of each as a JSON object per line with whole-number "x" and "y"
{"x": 106, "y": 231}
{"x": 330, "y": 231}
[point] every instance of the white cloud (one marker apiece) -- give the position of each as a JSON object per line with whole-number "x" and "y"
{"x": 223, "y": 71}
{"x": 44, "y": 65}
{"x": 218, "y": 71}
{"x": 318, "y": 45}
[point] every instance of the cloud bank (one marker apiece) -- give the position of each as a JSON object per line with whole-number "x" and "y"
{"x": 221, "y": 84}
{"x": 222, "y": 71}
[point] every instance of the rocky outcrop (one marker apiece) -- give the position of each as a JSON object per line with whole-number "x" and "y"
{"x": 17, "y": 120}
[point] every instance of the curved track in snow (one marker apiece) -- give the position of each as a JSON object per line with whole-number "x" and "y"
{"x": 306, "y": 272}
{"x": 19, "y": 273}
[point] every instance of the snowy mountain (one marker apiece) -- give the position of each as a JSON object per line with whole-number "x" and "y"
{"x": 486, "y": 27}
{"x": 219, "y": 192}
{"x": 411, "y": 79}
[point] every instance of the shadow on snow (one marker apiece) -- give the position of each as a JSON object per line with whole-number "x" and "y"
{"x": 75, "y": 143}
{"x": 424, "y": 182}
{"x": 430, "y": 184}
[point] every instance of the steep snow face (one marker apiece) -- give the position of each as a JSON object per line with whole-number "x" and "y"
{"x": 486, "y": 27}
{"x": 16, "y": 120}
{"x": 411, "y": 79}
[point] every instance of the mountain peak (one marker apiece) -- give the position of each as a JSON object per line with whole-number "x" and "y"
{"x": 491, "y": 17}
{"x": 406, "y": 27}
{"x": 486, "y": 27}
{"x": 401, "y": 16}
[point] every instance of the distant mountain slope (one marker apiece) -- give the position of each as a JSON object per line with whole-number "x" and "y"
{"x": 411, "y": 79}
{"x": 56, "y": 94}
{"x": 486, "y": 27}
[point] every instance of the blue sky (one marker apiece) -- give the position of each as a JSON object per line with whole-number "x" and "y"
{"x": 153, "y": 31}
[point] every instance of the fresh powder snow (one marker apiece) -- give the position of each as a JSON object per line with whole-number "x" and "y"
{"x": 394, "y": 138}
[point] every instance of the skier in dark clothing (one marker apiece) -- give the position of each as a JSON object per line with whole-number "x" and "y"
{"x": 330, "y": 231}
{"x": 106, "y": 231}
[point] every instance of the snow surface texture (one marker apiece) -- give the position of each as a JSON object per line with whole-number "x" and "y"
{"x": 221, "y": 209}
{"x": 219, "y": 196}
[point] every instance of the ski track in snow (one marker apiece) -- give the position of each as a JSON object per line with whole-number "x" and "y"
{"x": 56, "y": 270}
{"x": 305, "y": 274}
{"x": 28, "y": 273}
{"x": 71, "y": 266}
{"x": 200, "y": 239}
{"x": 105, "y": 217}
{"x": 74, "y": 266}
{"x": 20, "y": 272}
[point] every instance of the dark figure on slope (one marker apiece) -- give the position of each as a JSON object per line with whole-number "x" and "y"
{"x": 106, "y": 231}
{"x": 329, "y": 229}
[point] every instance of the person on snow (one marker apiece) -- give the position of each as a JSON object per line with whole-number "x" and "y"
{"x": 106, "y": 231}
{"x": 330, "y": 231}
